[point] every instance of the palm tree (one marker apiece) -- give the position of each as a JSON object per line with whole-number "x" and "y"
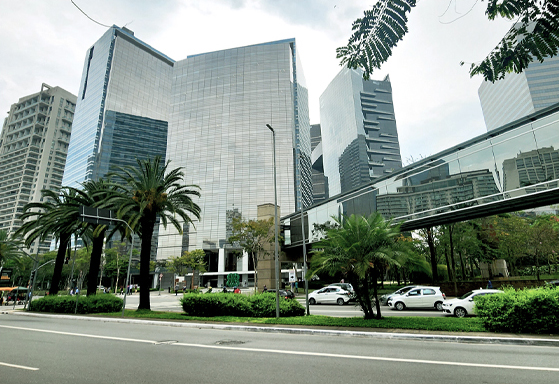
{"x": 9, "y": 248}
{"x": 55, "y": 216}
{"x": 145, "y": 193}
{"x": 93, "y": 194}
{"x": 360, "y": 248}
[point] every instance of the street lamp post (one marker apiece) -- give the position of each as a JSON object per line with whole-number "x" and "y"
{"x": 276, "y": 222}
{"x": 105, "y": 216}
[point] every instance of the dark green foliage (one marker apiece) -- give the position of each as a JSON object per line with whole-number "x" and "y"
{"x": 86, "y": 304}
{"x": 524, "y": 311}
{"x": 226, "y": 304}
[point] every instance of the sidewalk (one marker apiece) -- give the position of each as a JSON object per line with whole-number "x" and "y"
{"x": 393, "y": 334}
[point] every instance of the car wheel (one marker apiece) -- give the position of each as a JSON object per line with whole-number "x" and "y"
{"x": 340, "y": 301}
{"x": 399, "y": 306}
{"x": 312, "y": 301}
{"x": 460, "y": 312}
{"x": 439, "y": 306}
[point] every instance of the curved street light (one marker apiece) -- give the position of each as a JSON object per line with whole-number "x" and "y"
{"x": 276, "y": 222}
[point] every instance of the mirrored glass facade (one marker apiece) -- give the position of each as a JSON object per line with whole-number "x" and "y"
{"x": 511, "y": 168}
{"x": 221, "y": 103}
{"x": 520, "y": 94}
{"x": 359, "y": 136}
{"x": 122, "y": 109}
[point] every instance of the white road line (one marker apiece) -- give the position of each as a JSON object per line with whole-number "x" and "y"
{"x": 19, "y": 366}
{"x": 301, "y": 353}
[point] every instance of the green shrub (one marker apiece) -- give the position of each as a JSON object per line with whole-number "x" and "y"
{"x": 227, "y": 304}
{"x": 523, "y": 311}
{"x": 86, "y": 304}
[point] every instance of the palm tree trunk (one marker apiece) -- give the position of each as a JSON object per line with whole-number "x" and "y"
{"x": 375, "y": 295}
{"x": 145, "y": 258}
{"x": 57, "y": 274}
{"x": 96, "y": 252}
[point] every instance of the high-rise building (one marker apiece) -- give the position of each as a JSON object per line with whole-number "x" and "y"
{"x": 222, "y": 102}
{"x": 319, "y": 181}
{"x": 33, "y": 147}
{"x": 359, "y": 135}
{"x": 122, "y": 110}
{"x": 520, "y": 94}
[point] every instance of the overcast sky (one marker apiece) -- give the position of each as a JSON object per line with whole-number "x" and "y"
{"x": 435, "y": 100}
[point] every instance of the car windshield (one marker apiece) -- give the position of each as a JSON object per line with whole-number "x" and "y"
{"x": 464, "y": 296}
{"x": 401, "y": 291}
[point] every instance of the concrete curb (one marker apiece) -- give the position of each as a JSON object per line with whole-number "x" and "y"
{"x": 534, "y": 341}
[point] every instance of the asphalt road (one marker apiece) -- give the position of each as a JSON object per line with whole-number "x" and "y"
{"x": 55, "y": 350}
{"x": 170, "y": 302}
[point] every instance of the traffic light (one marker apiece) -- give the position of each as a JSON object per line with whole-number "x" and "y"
{"x": 31, "y": 277}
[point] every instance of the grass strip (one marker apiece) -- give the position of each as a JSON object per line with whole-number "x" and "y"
{"x": 449, "y": 324}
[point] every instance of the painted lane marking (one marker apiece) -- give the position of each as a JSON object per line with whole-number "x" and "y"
{"x": 301, "y": 353}
{"x": 18, "y": 366}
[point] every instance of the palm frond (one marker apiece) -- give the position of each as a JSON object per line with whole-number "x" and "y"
{"x": 375, "y": 35}
{"x": 535, "y": 36}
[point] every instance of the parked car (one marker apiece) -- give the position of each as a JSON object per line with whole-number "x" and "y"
{"x": 465, "y": 304}
{"x": 329, "y": 295}
{"x": 384, "y": 298}
{"x": 419, "y": 297}
{"x": 284, "y": 293}
{"x": 553, "y": 283}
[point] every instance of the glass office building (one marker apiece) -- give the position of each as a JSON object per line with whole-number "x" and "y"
{"x": 359, "y": 135}
{"x": 221, "y": 103}
{"x": 520, "y": 94}
{"x": 122, "y": 110}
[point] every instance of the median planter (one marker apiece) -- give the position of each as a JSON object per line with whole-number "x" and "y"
{"x": 86, "y": 304}
{"x": 225, "y": 304}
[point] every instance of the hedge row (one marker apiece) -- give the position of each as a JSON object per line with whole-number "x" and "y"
{"x": 522, "y": 311}
{"x": 86, "y": 304}
{"x": 226, "y": 304}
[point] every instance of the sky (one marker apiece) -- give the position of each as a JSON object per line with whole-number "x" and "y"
{"x": 435, "y": 100}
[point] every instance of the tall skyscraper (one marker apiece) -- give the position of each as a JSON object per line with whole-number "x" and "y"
{"x": 319, "y": 181}
{"x": 123, "y": 107}
{"x": 33, "y": 147}
{"x": 518, "y": 95}
{"x": 222, "y": 102}
{"x": 359, "y": 135}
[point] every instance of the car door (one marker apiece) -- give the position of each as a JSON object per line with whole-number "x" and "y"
{"x": 332, "y": 295}
{"x": 413, "y": 298}
{"x": 321, "y": 295}
{"x": 428, "y": 298}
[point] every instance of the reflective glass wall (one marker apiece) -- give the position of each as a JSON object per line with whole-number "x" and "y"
{"x": 513, "y": 167}
{"x": 122, "y": 109}
{"x": 221, "y": 103}
{"x": 359, "y": 135}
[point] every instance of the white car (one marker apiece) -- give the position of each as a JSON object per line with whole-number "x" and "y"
{"x": 329, "y": 295}
{"x": 418, "y": 297}
{"x": 465, "y": 304}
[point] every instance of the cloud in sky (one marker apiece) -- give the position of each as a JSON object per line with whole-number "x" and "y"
{"x": 435, "y": 100}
